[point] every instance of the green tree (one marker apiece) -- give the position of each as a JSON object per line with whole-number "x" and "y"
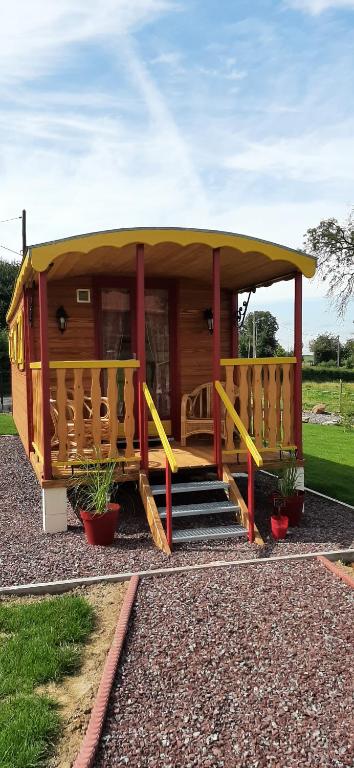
{"x": 266, "y": 329}
{"x": 348, "y": 353}
{"x": 8, "y": 275}
{"x": 325, "y": 348}
{"x": 333, "y": 246}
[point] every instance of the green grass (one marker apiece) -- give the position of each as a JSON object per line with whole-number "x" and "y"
{"x": 329, "y": 460}
{"x": 40, "y": 642}
{"x": 327, "y": 392}
{"x": 7, "y": 426}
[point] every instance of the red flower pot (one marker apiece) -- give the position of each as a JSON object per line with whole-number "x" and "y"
{"x": 291, "y": 506}
{"x": 100, "y": 529}
{"x": 279, "y": 525}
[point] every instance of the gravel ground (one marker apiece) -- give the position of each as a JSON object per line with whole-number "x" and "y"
{"x": 320, "y": 418}
{"x": 27, "y": 554}
{"x": 241, "y": 668}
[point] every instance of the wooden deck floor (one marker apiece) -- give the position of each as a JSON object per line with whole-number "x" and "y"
{"x": 196, "y": 454}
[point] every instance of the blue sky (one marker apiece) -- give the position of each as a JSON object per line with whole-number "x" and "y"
{"x": 230, "y": 115}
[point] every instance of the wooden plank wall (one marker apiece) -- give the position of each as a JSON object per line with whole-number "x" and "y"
{"x": 78, "y": 341}
{"x": 195, "y": 342}
{"x": 19, "y": 396}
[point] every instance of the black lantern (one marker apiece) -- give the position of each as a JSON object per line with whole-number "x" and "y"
{"x": 209, "y": 317}
{"x": 62, "y": 319}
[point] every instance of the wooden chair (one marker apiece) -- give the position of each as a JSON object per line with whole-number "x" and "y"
{"x": 197, "y": 413}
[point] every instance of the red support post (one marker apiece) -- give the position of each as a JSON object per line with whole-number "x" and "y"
{"x": 168, "y": 505}
{"x": 45, "y": 381}
{"x": 298, "y": 364}
{"x": 140, "y": 346}
{"x": 216, "y": 361}
{"x": 250, "y": 496}
{"x": 234, "y": 325}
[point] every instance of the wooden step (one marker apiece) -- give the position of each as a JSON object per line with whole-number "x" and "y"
{"x": 208, "y": 534}
{"x": 194, "y": 486}
{"x": 209, "y": 508}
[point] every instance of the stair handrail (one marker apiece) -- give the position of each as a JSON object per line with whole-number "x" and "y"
{"x": 246, "y": 437}
{"x": 160, "y": 429}
{"x": 253, "y": 455}
{"x": 171, "y": 463}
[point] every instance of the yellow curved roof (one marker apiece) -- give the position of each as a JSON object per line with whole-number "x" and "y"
{"x": 169, "y": 252}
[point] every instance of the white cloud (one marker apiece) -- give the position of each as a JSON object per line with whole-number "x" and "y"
{"x": 311, "y": 158}
{"x": 34, "y": 36}
{"x": 316, "y": 7}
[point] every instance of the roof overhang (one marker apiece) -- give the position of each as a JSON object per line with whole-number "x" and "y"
{"x": 170, "y": 252}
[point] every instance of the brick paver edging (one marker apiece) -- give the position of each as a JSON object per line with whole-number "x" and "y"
{"x": 91, "y": 739}
{"x": 337, "y": 571}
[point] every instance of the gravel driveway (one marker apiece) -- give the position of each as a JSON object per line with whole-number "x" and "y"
{"x": 245, "y": 668}
{"x": 27, "y": 554}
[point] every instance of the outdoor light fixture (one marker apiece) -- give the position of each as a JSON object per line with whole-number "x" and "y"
{"x": 62, "y": 319}
{"x": 209, "y": 317}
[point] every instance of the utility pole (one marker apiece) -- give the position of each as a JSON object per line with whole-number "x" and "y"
{"x": 338, "y": 351}
{"x": 24, "y": 235}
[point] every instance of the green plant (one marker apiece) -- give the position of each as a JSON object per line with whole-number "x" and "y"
{"x": 288, "y": 481}
{"x": 94, "y": 485}
{"x": 347, "y": 417}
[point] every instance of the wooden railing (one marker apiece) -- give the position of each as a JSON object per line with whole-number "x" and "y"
{"x": 262, "y": 393}
{"x": 253, "y": 455}
{"x": 171, "y": 463}
{"x": 91, "y": 406}
{"x": 37, "y": 443}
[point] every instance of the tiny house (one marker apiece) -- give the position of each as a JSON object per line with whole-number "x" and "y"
{"x": 124, "y": 347}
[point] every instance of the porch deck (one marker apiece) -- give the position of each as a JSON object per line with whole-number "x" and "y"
{"x": 199, "y": 454}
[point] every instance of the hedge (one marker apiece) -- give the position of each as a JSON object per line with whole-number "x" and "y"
{"x": 316, "y": 373}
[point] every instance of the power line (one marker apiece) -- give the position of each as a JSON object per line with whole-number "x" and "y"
{"x": 11, "y": 250}
{"x": 14, "y": 218}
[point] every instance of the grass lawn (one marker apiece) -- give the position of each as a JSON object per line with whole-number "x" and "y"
{"x": 329, "y": 455}
{"x": 327, "y": 392}
{"x": 7, "y": 426}
{"x": 40, "y": 641}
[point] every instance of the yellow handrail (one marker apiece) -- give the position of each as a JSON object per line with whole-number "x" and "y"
{"x": 53, "y": 364}
{"x": 257, "y": 360}
{"x": 239, "y": 424}
{"x": 160, "y": 430}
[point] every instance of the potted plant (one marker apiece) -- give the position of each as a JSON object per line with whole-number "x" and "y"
{"x": 288, "y": 498}
{"x": 93, "y": 488}
{"x": 279, "y": 522}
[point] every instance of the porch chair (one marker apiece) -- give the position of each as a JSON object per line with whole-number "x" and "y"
{"x": 197, "y": 413}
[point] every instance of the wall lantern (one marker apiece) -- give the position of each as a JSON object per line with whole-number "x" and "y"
{"x": 62, "y": 319}
{"x": 209, "y": 317}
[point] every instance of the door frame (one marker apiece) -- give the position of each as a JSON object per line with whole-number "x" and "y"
{"x": 173, "y": 425}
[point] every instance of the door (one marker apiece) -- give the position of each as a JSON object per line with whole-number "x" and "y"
{"x": 118, "y": 340}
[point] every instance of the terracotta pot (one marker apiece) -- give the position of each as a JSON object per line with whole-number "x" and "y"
{"x": 100, "y": 529}
{"x": 279, "y": 525}
{"x": 291, "y": 506}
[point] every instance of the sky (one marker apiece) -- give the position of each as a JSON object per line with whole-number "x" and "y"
{"x": 219, "y": 114}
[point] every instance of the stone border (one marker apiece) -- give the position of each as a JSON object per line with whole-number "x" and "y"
{"x": 57, "y": 587}
{"x": 92, "y": 736}
{"x": 337, "y": 571}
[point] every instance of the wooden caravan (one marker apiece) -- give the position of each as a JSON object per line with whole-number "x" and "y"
{"x": 124, "y": 344}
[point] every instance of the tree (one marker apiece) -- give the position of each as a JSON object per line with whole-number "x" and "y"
{"x": 266, "y": 329}
{"x": 333, "y": 245}
{"x": 348, "y": 353}
{"x": 325, "y": 349}
{"x": 8, "y": 275}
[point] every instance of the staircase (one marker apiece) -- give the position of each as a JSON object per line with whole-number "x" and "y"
{"x": 198, "y": 505}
